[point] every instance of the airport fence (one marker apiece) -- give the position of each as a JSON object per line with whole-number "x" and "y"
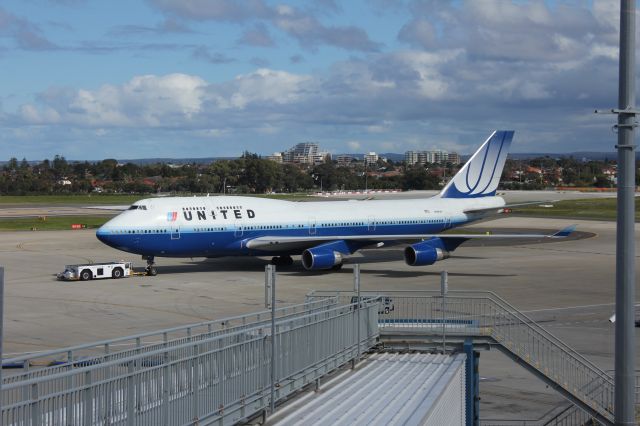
{"x": 460, "y": 314}
{"x": 220, "y": 376}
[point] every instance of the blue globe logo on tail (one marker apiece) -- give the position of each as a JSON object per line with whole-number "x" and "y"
{"x": 480, "y": 176}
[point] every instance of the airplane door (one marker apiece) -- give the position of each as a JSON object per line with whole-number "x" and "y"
{"x": 447, "y": 222}
{"x": 239, "y": 229}
{"x": 312, "y": 226}
{"x": 371, "y": 222}
{"x": 175, "y": 232}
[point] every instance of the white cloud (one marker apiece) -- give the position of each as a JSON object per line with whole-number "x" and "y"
{"x": 270, "y": 86}
{"x": 268, "y": 129}
{"x": 211, "y": 133}
{"x": 354, "y": 145}
{"x": 174, "y": 100}
{"x": 146, "y": 100}
{"x": 378, "y": 128}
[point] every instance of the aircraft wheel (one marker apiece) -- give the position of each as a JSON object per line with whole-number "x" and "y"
{"x": 152, "y": 271}
{"x": 282, "y": 260}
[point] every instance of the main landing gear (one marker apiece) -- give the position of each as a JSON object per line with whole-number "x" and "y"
{"x": 282, "y": 261}
{"x": 150, "y": 269}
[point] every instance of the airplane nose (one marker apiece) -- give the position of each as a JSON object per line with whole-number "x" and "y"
{"x": 103, "y": 235}
{"x": 106, "y": 234}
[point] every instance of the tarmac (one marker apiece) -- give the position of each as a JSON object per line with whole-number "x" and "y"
{"x": 567, "y": 285}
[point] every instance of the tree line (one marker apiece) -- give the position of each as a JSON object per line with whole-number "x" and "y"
{"x": 252, "y": 174}
{"x": 248, "y": 174}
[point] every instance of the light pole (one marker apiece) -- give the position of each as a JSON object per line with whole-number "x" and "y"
{"x": 625, "y": 350}
{"x": 624, "y": 406}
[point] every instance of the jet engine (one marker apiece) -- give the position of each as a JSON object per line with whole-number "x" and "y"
{"x": 321, "y": 257}
{"x": 425, "y": 252}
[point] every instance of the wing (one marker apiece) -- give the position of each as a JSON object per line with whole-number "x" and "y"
{"x": 283, "y": 243}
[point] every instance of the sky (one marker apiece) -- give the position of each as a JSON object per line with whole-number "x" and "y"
{"x": 89, "y": 79}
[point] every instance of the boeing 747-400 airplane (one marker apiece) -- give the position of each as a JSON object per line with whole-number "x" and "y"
{"x": 322, "y": 232}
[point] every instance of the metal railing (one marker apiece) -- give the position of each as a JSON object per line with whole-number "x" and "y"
{"x": 562, "y": 415}
{"x": 484, "y": 314}
{"x": 47, "y": 362}
{"x": 220, "y": 376}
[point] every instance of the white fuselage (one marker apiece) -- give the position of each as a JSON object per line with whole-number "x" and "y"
{"x": 223, "y": 225}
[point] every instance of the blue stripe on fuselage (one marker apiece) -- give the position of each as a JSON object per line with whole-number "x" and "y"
{"x": 200, "y": 243}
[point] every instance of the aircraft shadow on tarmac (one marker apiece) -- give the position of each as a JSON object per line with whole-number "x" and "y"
{"x": 389, "y": 273}
{"x": 368, "y": 257}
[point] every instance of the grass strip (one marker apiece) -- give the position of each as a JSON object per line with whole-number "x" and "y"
{"x": 97, "y": 199}
{"x": 52, "y": 223}
{"x": 114, "y": 199}
{"x": 592, "y": 208}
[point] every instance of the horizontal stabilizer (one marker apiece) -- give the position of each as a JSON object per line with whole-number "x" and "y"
{"x": 565, "y": 232}
{"x": 507, "y": 206}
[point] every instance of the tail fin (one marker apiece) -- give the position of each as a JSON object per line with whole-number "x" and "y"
{"x": 480, "y": 176}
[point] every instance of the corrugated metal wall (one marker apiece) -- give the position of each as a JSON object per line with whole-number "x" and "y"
{"x": 450, "y": 408}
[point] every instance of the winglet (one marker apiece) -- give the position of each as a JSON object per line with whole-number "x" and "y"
{"x": 565, "y": 232}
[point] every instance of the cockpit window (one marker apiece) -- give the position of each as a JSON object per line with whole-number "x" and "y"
{"x": 134, "y": 207}
{"x": 137, "y": 207}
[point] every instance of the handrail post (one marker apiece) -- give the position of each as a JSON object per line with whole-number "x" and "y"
{"x": 356, "y": 284}
{"x": 195, "y": 380}
{"x": 1, "y": 331}
{"x": 444, "y": 287}
{"x": 166, "y": 389}
{"x": 130, "y": 393}
{"x": 272, "y": 273}
{"x": 88, "y": 399}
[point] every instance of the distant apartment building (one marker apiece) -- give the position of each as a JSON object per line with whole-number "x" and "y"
{"x": 371, "y": 158}
{"x": 276, "y": 156}
{"x": 411, "y": 158}
{"x": 423, "y": 157}
{"x": 440, "y": 156}
{"x": 344, "y": 160}
{"x": 305, "y": 153}
{"x": 454, "y": 158}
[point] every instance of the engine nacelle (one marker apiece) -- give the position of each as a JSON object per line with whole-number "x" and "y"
{"x": 320, "y": 258}
{"x": 425, "y": 253}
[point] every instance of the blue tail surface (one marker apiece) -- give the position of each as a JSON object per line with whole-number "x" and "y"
{"x": 480, "y": 176}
